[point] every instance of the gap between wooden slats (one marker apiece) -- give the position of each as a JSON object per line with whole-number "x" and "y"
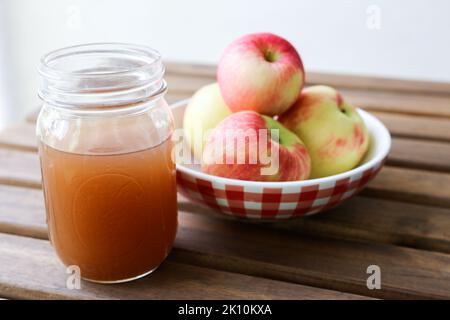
{"x": 30, "y": 270}
{"x": 282, "y": 254}
{"x": 22, "y": 212}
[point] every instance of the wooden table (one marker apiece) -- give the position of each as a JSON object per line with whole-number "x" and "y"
{"x": 401, "y": 222}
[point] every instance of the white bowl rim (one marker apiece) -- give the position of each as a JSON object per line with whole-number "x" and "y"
{"x": 382, "y": 132}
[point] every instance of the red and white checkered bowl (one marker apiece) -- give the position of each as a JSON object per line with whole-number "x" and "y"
{"x": 280, "y": 200}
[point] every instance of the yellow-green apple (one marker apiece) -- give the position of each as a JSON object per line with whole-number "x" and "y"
{"x": 260, "y": 72}
{"x": 332, "y": 130}
{"x": 250, "y": 146}
{"x": 203, "y": 112}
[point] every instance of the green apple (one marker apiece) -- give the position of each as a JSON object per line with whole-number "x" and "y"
{"x": 204, "y": 111}
{"x": 332, "y": 130}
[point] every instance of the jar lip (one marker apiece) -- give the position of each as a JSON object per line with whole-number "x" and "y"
{"x": 45, "y": 69}
{"x": 101, "y": 74}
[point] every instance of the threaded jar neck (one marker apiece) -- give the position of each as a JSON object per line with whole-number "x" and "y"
{"x": 101, "y": 76}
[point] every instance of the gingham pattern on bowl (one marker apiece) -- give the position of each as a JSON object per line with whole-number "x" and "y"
{"x": 251, "y": 201}
{"x": 280, "y": 200}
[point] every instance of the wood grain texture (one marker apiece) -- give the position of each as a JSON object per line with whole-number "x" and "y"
{"x": 411, "y": 185}
{"x": 415, "y": 126}
{"x": 22, "y": 212}
{"x": 20, "y": 136}
{"x": 407, "y": 205}
{"x": 294, "y": 253}
{"x": 19, "y": 168}
{"x": 30, "y": 269}
{"x": 338, "y": 80}
{"x": 367, "y": 219}
{"x": 399, "y": 125}
{"x": 420, "y": 154}
{"x": 171, "y": 97}
{"x": 397, "y": 102}
{"x": 315, "y": 261}
{"x": 426, "y": 99}
{"x": 411, "y": 103}
{"x": 405, "y": 152}
{"x": 407, "y": 104}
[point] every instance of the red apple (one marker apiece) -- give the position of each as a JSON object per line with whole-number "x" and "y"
{"x": 260, "y": 72}
{"x": 250, "y": 146}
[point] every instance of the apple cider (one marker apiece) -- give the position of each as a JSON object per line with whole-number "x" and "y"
{"x": 108, "y": 175}
{"x": 114, "y": 216}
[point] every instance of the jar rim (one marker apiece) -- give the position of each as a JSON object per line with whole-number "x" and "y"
{"x": 46, "y": 70}
{"x": 107, "y": 74}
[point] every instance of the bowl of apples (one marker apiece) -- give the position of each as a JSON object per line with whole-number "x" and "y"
{"x": 259, "y": 145}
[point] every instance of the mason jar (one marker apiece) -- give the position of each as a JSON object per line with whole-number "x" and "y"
{"x": 109, "y": 181}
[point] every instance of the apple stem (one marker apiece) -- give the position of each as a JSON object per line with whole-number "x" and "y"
{"x": 270, "y": 56}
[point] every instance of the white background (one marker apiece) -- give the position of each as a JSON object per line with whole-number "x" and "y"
{"x": 412, "y": 41}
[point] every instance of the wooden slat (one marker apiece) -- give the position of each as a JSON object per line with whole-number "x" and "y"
{"x": 353, "y": 88}
{"x": 10, "y": 176}
{"x": 434, "y": 124}
{"x": 32, "y": 116}
{"x": 415, "y": 186}
{"x": 30, "y": 269}
{"x": 400, "y": 125}
{"x": 22, "y": 212}
{"x": 190, "y": 69}
{"x": 405, "y": 152}
{"x": 316, "y": 261}
{"x": 187, "y": 84}
{"x": 372, "y": 93}
{"x": 407, "y": 103}
{"x": 405, "y": 126}
{"x": 381, "y": 220}
{"x": 368, "y": 219}
{"x": 400, "y": 102}
{"x": 297, "y": 251}
{"x": 412, "y": 186}
{"x": 171, "y": 97}
{"x": 374, "y": 101}
{"x": 19, "y": 168}
{"x": 413, "y": 153}
{"x": 240, "y": 247}
{"x": 370, "y": 83}
{"x": 415, "y": 126}
{"x": 338, "y": 80}
{"x": 19, "y": 136}
{"x": 390, "y": 102}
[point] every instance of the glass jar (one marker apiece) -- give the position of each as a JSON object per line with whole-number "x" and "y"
{"x": 109, "y": 180}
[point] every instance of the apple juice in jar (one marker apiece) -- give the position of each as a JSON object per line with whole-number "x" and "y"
{"x": 109, "y": 180}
